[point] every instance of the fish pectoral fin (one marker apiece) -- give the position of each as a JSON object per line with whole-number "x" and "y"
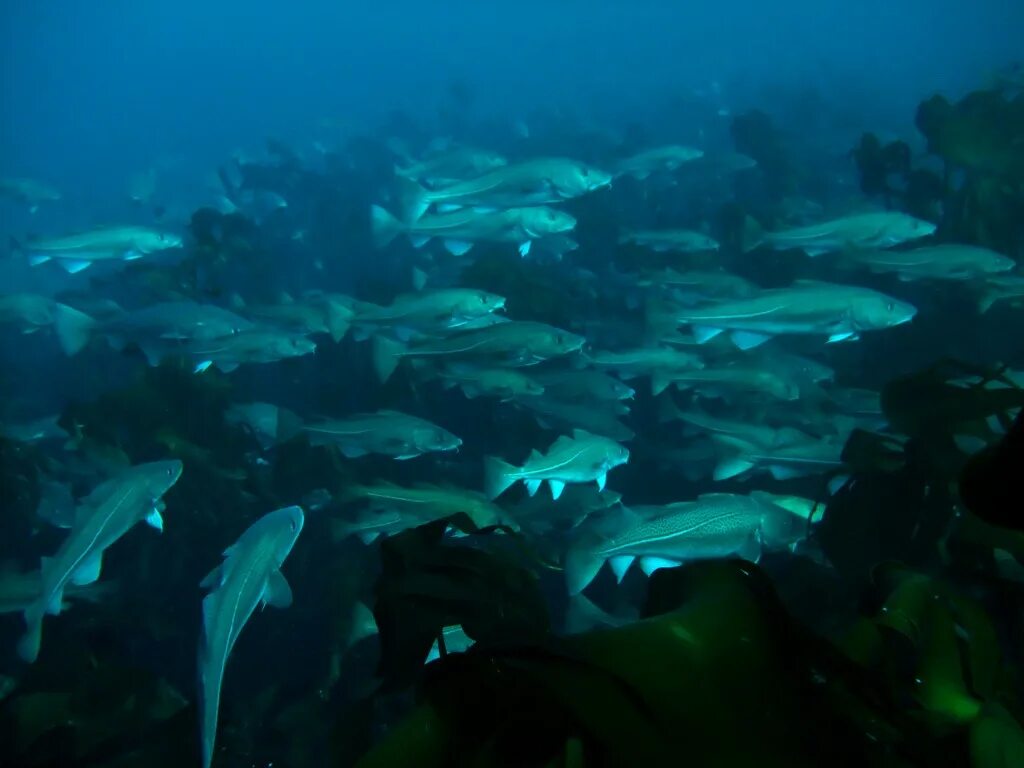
{"x": 88, "y": 571}
{"x": 601, "y": 480}
{"x": 751, "y": 549}
{"x": 155, "y": 520}
{"x": 277, "y": 593}
{"x": 524, "y": 248}
{"x": 842, "y": 336}
{"x": 532, "y": 486}
{"x": 557, "y": 486}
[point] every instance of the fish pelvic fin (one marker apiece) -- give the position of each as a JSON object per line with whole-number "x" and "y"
{"x": 28, "y": 645}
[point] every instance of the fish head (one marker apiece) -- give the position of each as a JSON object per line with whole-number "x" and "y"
{"x": 435, "y": 440}
{"x": 477, "y": 303}
{"x": 559, "y": 342}
{"x": 483, "y": 161}
{"x": 617, "y": 455}
{"x": 622, "y": 391}
{"x": 994, "y": 263}
{"x": 542, "y": 221}
{"x": 292, "y": 346}
{"x": 880, "y": 311}
{"x": 573, "y": 179}
{"x": 158, "y": 241}
{"x": 904, "y": 227}
{"x": 159, "y": 476}
{"x": 282, "y": 527}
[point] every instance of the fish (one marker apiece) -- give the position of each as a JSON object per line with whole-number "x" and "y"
{"x": 30, "y": 312}
{"x": 461, "y": 229}
{"x": 101, "y": 518}
{"x": 41, "y": 430}
{"x": 250, "y": 576}
{"x": 582, "y": 385}
{"x": 713, "y": 525}
{"x": 504, "y": 383}
{"x": 539, "y": 514}
{"x": 540, "y": 181}
{"x": 949, "y": 261}
{"x": 655, "y": 362}
{"x": 728, "y": 382}
{"x": 1001, "y": 288}
{"x": 20, "y": 589}
{"x": 158, "y": 330}
{"x": 452, "y": 165}
{"x": 79, "y": 251}
{"x": 666, "y": 158}
{"x": 30, "y": 192}
{"x": 394, "y": 508}
{"x": 862, "y": 231}
{"x": 581, "y": 458}
{"x": 517, "y": 343}
{"x": 257, "y": 345}
{"x": 598, "y": 418}
{"x": 313, "y": 312}
{"x": 387, "y": 432}
{"x": 269, "y": 424}
{"x": 671, "y": 240}
{"x": 784, "y": 461}
{"x": 807, "y": 307}
{"x": 426, "y": 313}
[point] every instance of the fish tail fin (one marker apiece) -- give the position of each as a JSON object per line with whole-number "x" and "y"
{"x": 74, "y": 328}
{"x": 289, "y": 424}
{"x": 752, "y": 235}
{"x": 384, "y": 226}
{"x": 581, "y": 566}
{"x": 498, "y": 476}
{"x": 28, "y": 645}
{"x": 386, "y": 355}
{"x": 413, "y": 199}
{"x": 339, "y": 319}
{"x": 660, "y": 316}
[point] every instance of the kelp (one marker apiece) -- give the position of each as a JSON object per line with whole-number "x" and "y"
{"x": 718, "y": 674}
{"x": 430, "y": 581}
{"x": 106, "y": 713}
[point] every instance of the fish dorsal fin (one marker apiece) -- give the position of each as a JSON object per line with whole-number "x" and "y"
{"x": 536, "y": 454}
{"x": 581, "y": 434}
